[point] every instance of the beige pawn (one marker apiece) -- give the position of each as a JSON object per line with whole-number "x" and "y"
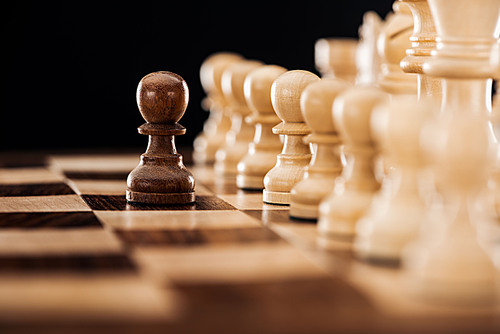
{"x": 326, "y": 165}
{"x": 395, "y": 215}
{"x": 336, "y": 58}
{"x": 218, "y": 123}
{"x": 262, "y": 152}
{"x": 241, "y": 133}
{"x": 353, "y": 194}
{"x": 448, "y": 264}
{"x": 295, "y": 155}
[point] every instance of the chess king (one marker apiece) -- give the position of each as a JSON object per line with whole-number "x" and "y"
{"x": 161, "y": 177}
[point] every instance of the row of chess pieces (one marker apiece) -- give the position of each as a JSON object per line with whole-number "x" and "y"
{"x": 392, "y": 150}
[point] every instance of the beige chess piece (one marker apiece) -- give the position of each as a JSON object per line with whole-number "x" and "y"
{"x": 367, "y": 56}
{"x": 295, "y": 155}
{"x": 394, "y": 40}
{"x": 262, "y": 152}
{"x": 319, "y": 177}
{"x": 218, "y": 123}
{"x": 394, "y": 217}
{"x": 336, "y": 58}
{"x": 448, "y": 264}
{"x": 241, "y": 133}
{"x": 423, "y": 42}
{"x": 352, "y": 196}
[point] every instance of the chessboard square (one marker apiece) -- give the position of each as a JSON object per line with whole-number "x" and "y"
{"x": 39, "y": 189}
{"x": 106, "y": 163}
{"x": 57, "y": 242}
{"x": 176, "y": 220}
{"x": 189, "y": 237}
{"x": 29, "y": 175}
{"x": 59, "y": 220}
{"x": 103, "y": 202}
{"x": 227, "y": 263}
{"x": 67, "y": 263}
{"x": 98, "y": 187}
{"x": 57, "y": 203}
{"x": 251, "y": 201}
{"x": 64, "y": 299}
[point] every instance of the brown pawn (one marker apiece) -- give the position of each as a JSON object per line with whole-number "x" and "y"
{"x": 160, "y": 177}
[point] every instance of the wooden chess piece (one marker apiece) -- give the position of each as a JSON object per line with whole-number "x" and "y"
{"x": 394, "y": 40}
{"x": 451, "y": 264}
{"x": 354, "y": 191}
{"x": 396, "y": 212}
{"x": 423, "y": 42}
{"x": 367, "y": 56}
{"x": 289, "y": 168}
{"x": 218, "y": 123}
{"x": 241, "y": 133}
{"x": 319, "y": 177}
{"x": 262, "y": 152}
{"x": 336, "y": 58}
{"x": 160, "y": 177}
{"x": 447, "y": 263}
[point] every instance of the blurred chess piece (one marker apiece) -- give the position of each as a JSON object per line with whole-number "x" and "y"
{"x": 218, "y": 123}
{"x": 262, "y": 152}
{"x": 353, "y": 193}
{"x": 336, "y": 58}
{"x": 394, "y": 40}
{"x": 394, "y": 217}
{"x": 295, "y": 155}
{"x": 367, "y": 56}
{"x": 319, "y": 177}
{"x": 449, "y": 263}
{"x": 423, "y": 42}
{"x": 241, "y": 133}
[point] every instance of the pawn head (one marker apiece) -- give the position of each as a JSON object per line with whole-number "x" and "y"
{"x": 162, "y": 97}
{"x": 286, "y": 91}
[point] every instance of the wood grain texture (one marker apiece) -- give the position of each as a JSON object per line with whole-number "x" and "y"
{"x": 35, "y": 189}
{"x": 32, "y": 220}
{"x": 104, "y": 202}
{"x": 161, "y": 177}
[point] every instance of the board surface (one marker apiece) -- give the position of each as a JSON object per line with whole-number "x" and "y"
{"x": 75, "y": 254}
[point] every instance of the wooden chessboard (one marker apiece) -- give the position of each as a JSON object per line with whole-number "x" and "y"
{"x": 74, "y": 254}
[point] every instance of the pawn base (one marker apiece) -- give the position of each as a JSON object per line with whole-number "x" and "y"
{"x": 276, "y": 197}
{"x": 159, "y": 198}
{"x": 250, "y": 182}
{"x": 304, "y": 211}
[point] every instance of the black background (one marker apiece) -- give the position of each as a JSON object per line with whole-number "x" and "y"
{"x": 70, "y": 69}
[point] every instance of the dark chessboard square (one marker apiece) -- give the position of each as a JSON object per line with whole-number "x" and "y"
{"x": 35, "y": 189}
{"x": 197, "y": 237}
{"x": 34, "y": 220}
{"x": 85, "y": 263}
{"x": 116, "y": 202}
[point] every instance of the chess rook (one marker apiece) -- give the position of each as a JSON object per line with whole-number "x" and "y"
{"x": 289, "y": 168}
{"x": 319, "y": 177}
{"x": 262, "y": 152}
{"x": 160, "y": 177}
